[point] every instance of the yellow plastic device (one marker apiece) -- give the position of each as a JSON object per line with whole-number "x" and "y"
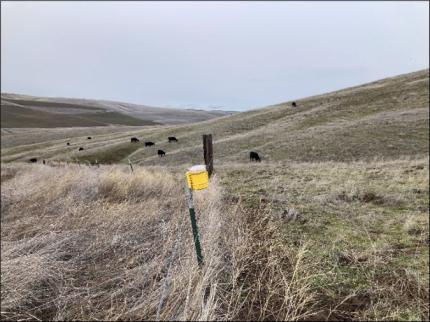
{"x": 197, "y": 177}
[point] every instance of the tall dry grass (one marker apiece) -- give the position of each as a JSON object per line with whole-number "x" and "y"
{"x": 103, "y": 243}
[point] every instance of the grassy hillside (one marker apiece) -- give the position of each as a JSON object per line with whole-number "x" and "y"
{"x": 23, "y": 111}
{"x": 388, "y": 118}
{"x": 364, "y": 225}
{"x": 20, "y": 137}
{"x": 21, "y": 117}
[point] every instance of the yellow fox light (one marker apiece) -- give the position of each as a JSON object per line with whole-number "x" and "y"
{"x": 197, "y": 177}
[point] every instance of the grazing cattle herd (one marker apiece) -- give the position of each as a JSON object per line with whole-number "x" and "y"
{"x": 253, "y": 156}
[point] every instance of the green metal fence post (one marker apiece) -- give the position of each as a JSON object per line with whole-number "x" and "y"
{"x": 195, "y": 228}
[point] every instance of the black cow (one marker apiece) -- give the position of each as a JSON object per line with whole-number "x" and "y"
{"x": 81, "y": 149}
{"x": 161, "y": 153}
{"x": 253, "y": 156}
{"x": 89, "y": 138}
{"x": 134, "y": 140}
{"x": 33, "y": 160}
{"x": 68, "y": 143}
{"x": 44, "y": 162}
{"x": 172, "y": 139}
{"x": 294, "y": 104}
{"x": 149, "y": 143}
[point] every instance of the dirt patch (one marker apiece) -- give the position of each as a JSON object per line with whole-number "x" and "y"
{"x": 7, "y": 174}
{"x": 346, "y": 259}
{"x": 416, "y": 231}
{"x": 367, "y": 197}
{"x": 372, "y": 197}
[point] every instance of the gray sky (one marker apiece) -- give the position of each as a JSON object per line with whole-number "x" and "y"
{"x": 230, "y": 55}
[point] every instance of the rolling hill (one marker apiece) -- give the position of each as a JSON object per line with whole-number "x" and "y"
{"x": 23, "y": 111}
{"x": 386, "y": 119}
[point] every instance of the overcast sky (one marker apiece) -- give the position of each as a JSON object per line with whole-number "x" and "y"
{"x": 230, "y": 55}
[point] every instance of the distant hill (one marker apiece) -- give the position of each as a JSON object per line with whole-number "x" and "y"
{"x": 19, "y": 111}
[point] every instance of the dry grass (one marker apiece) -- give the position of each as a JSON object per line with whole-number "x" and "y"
{"x": 102, "y": 243}
{"x": 365, "y": 226}
{"x": 283, "y": 242}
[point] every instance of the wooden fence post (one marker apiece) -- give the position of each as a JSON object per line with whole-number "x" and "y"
{"x": 208, "y": 153}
